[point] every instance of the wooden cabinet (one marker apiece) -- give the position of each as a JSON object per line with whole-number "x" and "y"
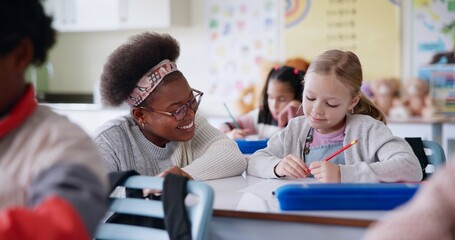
{"x": 108, "y": 15}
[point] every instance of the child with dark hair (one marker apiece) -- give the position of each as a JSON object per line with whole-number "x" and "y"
{"x": 336, "y": 113}
{"x": 50, "y": 169}
{"x": 163, "y": 133}
{"x": 280, "y": 100}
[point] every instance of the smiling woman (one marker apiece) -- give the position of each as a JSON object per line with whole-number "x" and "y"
{"x": 163, "y": 133}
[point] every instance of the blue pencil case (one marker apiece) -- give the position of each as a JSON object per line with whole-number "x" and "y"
{"x": 345, "y": 196}
{"x": 251, "y": 146}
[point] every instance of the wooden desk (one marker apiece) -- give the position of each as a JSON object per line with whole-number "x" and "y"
{"x": 245, "y": 208}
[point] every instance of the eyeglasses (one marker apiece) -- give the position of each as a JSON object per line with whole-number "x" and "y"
{"x": 180, "y": 113}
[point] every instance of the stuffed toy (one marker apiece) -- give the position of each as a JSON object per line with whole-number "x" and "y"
{"x": 414, "y": 96}
{"x": 385, "y": 93}
{"x": 398, "y": 111}
{"x": 248, "y": 98}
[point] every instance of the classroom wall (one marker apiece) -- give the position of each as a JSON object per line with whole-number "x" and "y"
{"x": 371, "y": 29}
{"x": 78, "y": 58}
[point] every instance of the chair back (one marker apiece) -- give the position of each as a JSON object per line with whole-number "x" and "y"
{"x": 199, "y": 211}
{"x": 435, "y": 155}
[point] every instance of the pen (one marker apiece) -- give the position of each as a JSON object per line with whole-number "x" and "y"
{"x": 236, "y": 124}
{"x": 340, "y": 150}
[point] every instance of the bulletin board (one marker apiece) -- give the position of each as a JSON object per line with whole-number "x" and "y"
{"x": 240, "y": 33}
{"x": 433, "y": 30}
{"x": 371, "y": 29}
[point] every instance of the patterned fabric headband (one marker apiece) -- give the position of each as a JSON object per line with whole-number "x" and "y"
{"x": 149, "y": 81}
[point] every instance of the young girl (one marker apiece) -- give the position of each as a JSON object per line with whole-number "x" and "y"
{"x": 163, "y": 134}
{"x": 335, "y": 114}
{"x": 281, "y": 98}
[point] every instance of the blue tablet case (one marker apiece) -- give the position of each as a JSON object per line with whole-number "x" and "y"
{"x": 250, "y": 146}
{"x": 345, "y": 196}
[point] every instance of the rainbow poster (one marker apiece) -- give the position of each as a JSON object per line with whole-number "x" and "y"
{"x": 296, "y": 11}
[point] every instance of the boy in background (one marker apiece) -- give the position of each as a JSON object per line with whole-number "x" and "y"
{"x": 53, "y": 182}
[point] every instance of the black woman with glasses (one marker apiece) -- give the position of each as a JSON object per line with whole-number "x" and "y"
{"x": 163, "y": 132}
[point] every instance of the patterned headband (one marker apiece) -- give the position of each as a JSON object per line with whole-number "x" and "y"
{"x": 149, "y": 81}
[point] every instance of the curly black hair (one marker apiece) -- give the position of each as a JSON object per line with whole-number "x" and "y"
{"x": 129, "y": 62}
{"x": 21, "y": 19}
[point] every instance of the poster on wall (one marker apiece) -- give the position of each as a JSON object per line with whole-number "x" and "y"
{"x": 240, "y": 33}
{"x": 371, "y": 29}
{"x": 433, "y": 30}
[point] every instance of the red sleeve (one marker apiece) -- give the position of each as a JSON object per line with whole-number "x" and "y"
{"x": 53, "y": 219}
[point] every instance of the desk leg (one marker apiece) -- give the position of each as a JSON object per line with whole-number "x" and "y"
{"x": 448, "y": 133}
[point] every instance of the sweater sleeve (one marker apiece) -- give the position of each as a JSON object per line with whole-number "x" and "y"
{"x": 114, "y": 145}
{"x": 108, "y": 153}
{"x": 214, "y": 154}
{"x": 429, "y": 215}
{"x": 380, "y": 156}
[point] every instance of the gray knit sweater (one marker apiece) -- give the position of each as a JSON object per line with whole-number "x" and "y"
{"x": 209, "y": 155}
{"x": 378, "y": 157}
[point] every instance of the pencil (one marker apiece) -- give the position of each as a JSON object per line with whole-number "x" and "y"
{"x": 236, "y": 124}
{"x": 340, "y": 150}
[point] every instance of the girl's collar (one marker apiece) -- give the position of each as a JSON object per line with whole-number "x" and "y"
{"x": 19, "y": 112}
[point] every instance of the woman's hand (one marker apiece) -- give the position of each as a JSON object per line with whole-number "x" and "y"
{"x": 173, "y": 170}
{"x": 176, "y": 171}
{"x": 291, "y": 110}
{"x": 292, "y": 166}
{"x": 326, "y": 172}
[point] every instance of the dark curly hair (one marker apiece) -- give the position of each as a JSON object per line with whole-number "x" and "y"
{"x": 129, "y": 62}
{"x": 21, "y": 19}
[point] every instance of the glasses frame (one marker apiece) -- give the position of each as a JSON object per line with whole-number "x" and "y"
{"x": 184, "y": 108}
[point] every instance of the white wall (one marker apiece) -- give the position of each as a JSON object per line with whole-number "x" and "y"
{"x": 78, "y": 58}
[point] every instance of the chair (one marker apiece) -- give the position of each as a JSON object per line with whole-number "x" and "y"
{"x": 435, "y": 155}
{"x": 199, "y": 212}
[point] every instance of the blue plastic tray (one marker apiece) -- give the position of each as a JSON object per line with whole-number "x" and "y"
{"x": 345, "y": 196}
{"x": 250, "y": 146}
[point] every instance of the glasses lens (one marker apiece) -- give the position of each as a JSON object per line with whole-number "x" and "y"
{"x": 196, "y": 101}
{"x": 181, "y": 112}
{"x": 193, "y": 104}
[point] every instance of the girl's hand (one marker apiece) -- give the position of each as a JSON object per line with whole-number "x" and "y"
{"x": 291, "y": 110}
{"x": 326, "y": 172}
{"x": 291, "y": 166}
{"x": 238, "y": 133}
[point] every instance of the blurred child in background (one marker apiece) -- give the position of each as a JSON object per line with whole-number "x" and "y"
{"x": 280, "y": 101}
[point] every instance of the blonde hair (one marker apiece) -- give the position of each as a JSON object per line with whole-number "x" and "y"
{"x": 346, "y": 67}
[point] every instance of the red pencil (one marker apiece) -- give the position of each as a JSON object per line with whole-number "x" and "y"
{"x": 340, "y": 150}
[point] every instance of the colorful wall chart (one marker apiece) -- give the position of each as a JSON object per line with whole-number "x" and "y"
{"x": 240, "y": 33}
{"x": 433, "y": 30}
{"x": 371, "y": 29}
